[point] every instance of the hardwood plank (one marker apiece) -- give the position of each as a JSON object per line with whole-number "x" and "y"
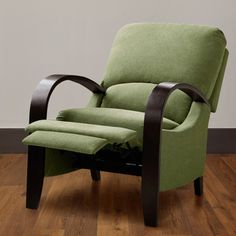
{"x": 230, "y": 161}
{"x": 113, "y": 217}
{"x": 217, "y": 186}
{"x": 221, "y": 214}
{"x": 14, "y": 218}
{"x": 222, "y": 203}
{"x": 224, "y": 173}
{"x": 12, "y": 169}
{"x": 193, "y": 208}
{"x": 72, "y": 204}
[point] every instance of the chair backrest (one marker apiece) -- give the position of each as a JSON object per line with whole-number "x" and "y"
{"x": 143, "y": 55}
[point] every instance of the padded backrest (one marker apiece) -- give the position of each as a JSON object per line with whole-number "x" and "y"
{"x": 216, "y": 91}
{"x": 144, "y": 55}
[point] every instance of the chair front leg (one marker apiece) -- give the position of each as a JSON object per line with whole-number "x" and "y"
{"x": 150, "y": 195}
{"x": 95, "y": 174}
{"x": 35, "y": 176}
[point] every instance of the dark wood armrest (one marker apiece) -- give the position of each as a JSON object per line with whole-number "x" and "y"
{"x": 156, "y": 105}
{"x": 155, "y": 108}
{"x": 41, "y": 96}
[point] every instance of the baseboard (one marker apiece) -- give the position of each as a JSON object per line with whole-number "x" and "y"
{"x": 10, "y": 140}
{"x": 220, "y": 141}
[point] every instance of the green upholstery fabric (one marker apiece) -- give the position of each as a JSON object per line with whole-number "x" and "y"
{"x": 134, "y": 96}
{"x": 216, "y": 92}
{"x": 111, "y": 134}
{"x": 65, "y": 141}
{"x": 155, "y": 53}
{"x": 180, "y": 164}
{"x": 183, "y": 149}
{"x": 133, "y": 120}
{"x": 58, "y": 162}
{"x": 95, "y": 100}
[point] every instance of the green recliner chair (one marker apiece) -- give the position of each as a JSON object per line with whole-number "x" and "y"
{"x": 149, "y": 117}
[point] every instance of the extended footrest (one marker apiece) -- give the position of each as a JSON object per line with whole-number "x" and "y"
{"x": 65, "y": 141}
{"x": 76, "y": 137}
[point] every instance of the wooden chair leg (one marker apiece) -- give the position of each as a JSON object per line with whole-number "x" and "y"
{"x": 35, "y": 176}
{"x": 198, "y": 186}
{"x": 150, "y": 195}
{"x": 150, "y": 202}
{"x": 95, "y": 174}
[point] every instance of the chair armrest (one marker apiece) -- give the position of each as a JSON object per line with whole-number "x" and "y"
{"x": 157, "y": 100}
{"x": 41, "y": 96}
{"x": 152, "y": 133}
{"x": 155, "y": 109}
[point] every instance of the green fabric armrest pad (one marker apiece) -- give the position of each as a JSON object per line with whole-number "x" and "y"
{"x": 112, "y": 134}
{"x": 65, "y": 141}
{"x": 183, "y": 149}
{"x": 134, "y": 96}
{"x": 155, "y": 53}
{"x": 133, "y": 120}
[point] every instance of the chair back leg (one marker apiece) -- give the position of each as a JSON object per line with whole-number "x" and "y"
{"x": 95, "y": 174}
{"x": 198, "y": 186}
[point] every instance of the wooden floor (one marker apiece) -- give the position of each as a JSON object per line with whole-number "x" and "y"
{"x": 72, "y": 204}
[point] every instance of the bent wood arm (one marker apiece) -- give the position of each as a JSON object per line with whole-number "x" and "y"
{"x": 155, "y": 109}
{"x": 38, "y": 111}
{"x": 152, "y": 144}
{"x": 41, "y": 96}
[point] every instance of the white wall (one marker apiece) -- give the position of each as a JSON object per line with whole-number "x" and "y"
{"x": 38, "y": 38}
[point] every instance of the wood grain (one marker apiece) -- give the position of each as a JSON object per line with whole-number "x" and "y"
{"x": 72, "y": 204}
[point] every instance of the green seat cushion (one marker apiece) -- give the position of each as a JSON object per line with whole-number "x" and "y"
{"x": 65, "y": 141}
{"x": 133, "y": 120}
{"x": 112, "y": 134}
{"x": 155, "y": 53}
{"x": 134, "y": 96}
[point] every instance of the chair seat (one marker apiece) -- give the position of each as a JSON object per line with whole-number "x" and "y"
{"x": 128, "y": 119}
{"x": 87, "y": 130}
